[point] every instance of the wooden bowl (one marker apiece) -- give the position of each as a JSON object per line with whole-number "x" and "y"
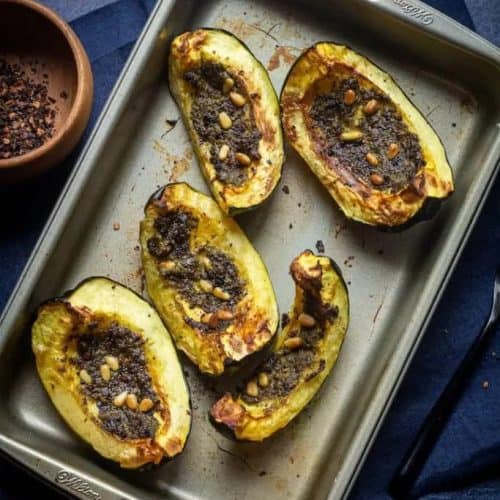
{"x": 46, "y": 48}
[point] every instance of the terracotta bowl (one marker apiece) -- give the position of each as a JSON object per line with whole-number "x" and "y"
{"x": 46, "y": 48}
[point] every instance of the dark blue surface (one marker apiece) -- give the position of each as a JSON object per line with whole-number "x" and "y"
{"x": 466, "y": 461}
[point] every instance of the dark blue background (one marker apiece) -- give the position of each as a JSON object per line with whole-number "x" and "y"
{"x": 466, "y": 462}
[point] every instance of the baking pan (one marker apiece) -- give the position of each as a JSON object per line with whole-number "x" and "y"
{"x": 394, "y": 280}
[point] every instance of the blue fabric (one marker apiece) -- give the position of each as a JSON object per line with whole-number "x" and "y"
{"x": 466, "y": 461}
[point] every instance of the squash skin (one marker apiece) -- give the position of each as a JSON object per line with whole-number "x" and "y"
{"x": 59, "y": 318}
{"x": 256, "y": 314}
{"x": 188, "y": 51}
{"x": 392, "y": 211}
{"x": 247, "y": 421}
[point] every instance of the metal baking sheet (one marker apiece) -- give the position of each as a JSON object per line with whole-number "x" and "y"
{"x": 395, "y": 280}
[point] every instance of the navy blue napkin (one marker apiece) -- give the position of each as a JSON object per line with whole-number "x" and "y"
{"x": 466, "y": 462}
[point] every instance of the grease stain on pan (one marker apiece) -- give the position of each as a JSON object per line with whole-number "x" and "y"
{"x": 173, "y": 165}
{"x": 282, "y": 53}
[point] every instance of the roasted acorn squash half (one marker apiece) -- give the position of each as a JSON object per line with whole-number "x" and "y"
{"x": 111, "y": 370}
{"x": 369, "y": 146}
{"x": 206, "y": 280}
{"x": 231, "y": 111}
{"x": 304, "y": 354}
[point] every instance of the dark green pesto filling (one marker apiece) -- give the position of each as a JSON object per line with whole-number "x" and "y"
{"x": 331, "y": 116}
{"x": 242, "y": 137}
{"x": 286, "y": 367}
{"x": 171, "y": 243}
{"x": 132, "y": 376}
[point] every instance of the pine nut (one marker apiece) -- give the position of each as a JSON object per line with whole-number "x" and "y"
{"x": 206, "y": 286}
{"x": 131, "y": 401}
{"x": 237, "y": 99}
{"x": 85, "y": 377}
{"x": 105, "y": 372}
{"x": 371, "y": 107}
{"x": 205, "y": 262}
{"x": 224, "y": 120}
{"x": 146, "y": 404}
{"x": 113, "y": 362}
{"x": 306, "y": 320}
{"x": 228, "y": 85}
{"x": 243, "y": 158}
{"x": 167, "y": 265}
{"x": 252, "y": 389}
{"x": 263, "y": 379}
{"x": 293, "y": 342}
{"x": 349, "y": 97}
{"x": 372, "y": 159}
{"x": 376, "y": 179}
{"x": 223, "y": 152}
{"x": 119, "y": 400}
{"x": 220, "y": 293}
{"x": 224, "y": 314}
{"x": 392, "y": 151}
{"x": 351, "y": 135}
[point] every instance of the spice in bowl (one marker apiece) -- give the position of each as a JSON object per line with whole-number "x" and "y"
{"x": 27, "y": 113}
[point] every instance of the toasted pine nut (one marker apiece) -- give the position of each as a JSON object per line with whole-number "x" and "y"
{"x": 371, "y": 107}
{"x": 119, "y": 400}
{"x": 263, "y": 379}
{"x": 113, "y": 362}
{"x": 205, "y": 262}
{"x": 206, "y": 286}
{"x": 252, "y": 389}
{"x": 237, "y": 99}
{"x": 306, "y": 320}
{"x": 223, "y": 152}
{"x": 372, "y": 159}
{"x": 224, "y": 314}
{"x": 167, "y": 265}
{"x": 351, "y": 135}
{"x": 146, "y": 404}
{"x": 228, "y": 85}
{"x": 293, "y": 342}
{"x": 105, "y": 372}
{"x": 349, "y": 97}
{"x": 131, "y": 401}
{"x": 224, "y": 120}
{"x": 243, "y": 158}
{"x": 84, "y": 375}
{"x": 220, "y": 293}
{"x": 376, "y": 179}
{"x": 392, "y": 150}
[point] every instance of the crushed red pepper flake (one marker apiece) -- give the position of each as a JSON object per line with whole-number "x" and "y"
{"x": 26, "y": 113}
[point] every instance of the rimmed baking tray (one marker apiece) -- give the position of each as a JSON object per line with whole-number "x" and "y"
{"x": 395, "y": 280}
